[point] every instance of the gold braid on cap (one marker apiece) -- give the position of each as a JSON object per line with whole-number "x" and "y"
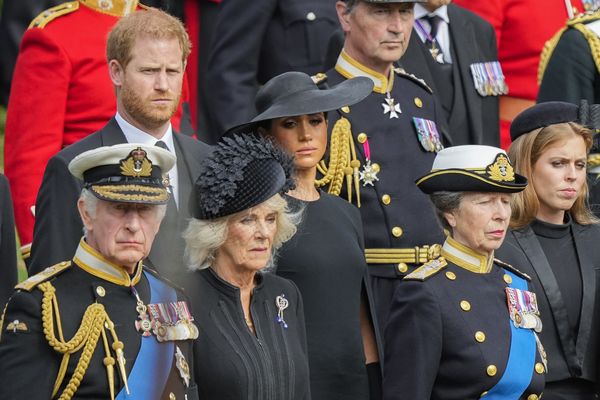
{"x": 342, "y": 162}
{"x": 93, "y": 324}
{"x": 576, "y": 23}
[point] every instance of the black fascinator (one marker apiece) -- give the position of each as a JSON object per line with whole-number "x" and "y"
{"x": 241, "y": 172}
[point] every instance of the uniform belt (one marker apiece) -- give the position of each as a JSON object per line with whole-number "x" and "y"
{"x": 414, "y": 255}
{"x": 510, "y": 107}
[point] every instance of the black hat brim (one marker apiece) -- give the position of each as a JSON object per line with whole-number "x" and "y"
{"x": 312, "y": 101}
{"x": 460, "y": 180}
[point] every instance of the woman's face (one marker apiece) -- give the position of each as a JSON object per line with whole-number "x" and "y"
{"x": 303, "y": 136}
{"x": 249, "y": 239}
{"x": 481, "y": 220}
{"x": 558, "y": 177}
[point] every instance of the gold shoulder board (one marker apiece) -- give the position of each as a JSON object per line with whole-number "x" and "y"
{"x": 52, "y": 13}
{"x": 43, "y": 276}
{"x": 512, "y": 269}
{"x": 427, "y": 270}
{"x": 401, "y": 72}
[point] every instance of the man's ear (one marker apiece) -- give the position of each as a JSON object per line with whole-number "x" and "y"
{"x": 116, "y": 72}
{"x": 86, "y": 218}
{"x": 343, "y": 15}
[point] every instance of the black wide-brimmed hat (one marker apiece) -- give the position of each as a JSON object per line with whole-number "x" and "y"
{"x": 127, "y": 173}
{"x": 472, "y": 168}
{"x": 295, "y": 93}
{"x": 242, "y": 171}
{"x": 542, "y": 115}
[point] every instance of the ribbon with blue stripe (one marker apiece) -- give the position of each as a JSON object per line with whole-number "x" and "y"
{"x": 521, "y": 357}
{"x": 152, "y": 365}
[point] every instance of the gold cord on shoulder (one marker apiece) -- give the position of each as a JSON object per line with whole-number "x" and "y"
{"x": 547, "y": 51}
{"x": 93, "y": 324}
{"x": 342, "y": 162}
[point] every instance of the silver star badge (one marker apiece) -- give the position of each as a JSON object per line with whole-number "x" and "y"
{"x": 368, "y": 174}
{"x": 391, "y": 107}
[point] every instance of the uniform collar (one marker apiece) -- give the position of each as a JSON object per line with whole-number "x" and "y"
{"x": 466, "y": 258}
{"x": 116, "y": 8}
{"x": 349, "y": 68}
{"x": 94, "y": 263}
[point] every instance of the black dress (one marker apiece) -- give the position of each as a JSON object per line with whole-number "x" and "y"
{"x": 235, "y": 364}
{"x": 325, "y": 259}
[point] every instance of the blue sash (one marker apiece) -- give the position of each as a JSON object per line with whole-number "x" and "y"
{"x": 521, "y": 358}
{"x": 152, "y": 365}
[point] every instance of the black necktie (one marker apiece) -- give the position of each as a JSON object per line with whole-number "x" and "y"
{"x": 172, "y": 202}
{"x": 431, "y": 41}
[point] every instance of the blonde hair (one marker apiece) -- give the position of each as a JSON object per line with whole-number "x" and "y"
{"x": 525, "y": 151}
{"x": 152, "y": 23}
{"x": 204, "y": 237}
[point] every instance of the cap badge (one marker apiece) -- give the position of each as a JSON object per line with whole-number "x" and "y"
{"x": 136, "y": 164}
{"x": 501, "y": 170}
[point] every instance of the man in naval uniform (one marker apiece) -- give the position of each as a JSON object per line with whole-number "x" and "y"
{"x": 101, "y": 325}
{"x": 382, "y": 144}
{"x": 147, "y": 52}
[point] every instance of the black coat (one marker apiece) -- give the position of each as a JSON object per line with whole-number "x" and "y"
{"x": 473, "y": 41}
{"x": 58, "y": 226}
{"x": 568, "y": 356}
{"x": 253, "y": 44}
{"x": 8, "y": 252}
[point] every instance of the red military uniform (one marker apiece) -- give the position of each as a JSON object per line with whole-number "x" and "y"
{"x": 61, "y": 92}
{"x": 522, "y": 28}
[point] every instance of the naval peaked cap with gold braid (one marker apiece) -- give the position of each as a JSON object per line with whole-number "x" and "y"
{"x": 472, "y": 168}
{"x": 128, "y": 172}
{"x": 241, "y": 172}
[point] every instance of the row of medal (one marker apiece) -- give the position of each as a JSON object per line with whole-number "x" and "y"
{"x": 167, "y": 321}
{"x": 523, "y": 309}
{"x": 489, "y": 78}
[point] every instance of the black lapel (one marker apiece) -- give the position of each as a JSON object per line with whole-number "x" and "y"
{"x": 588, "y": 277}
{"x": 112, "y": 134}
{"x": 414, "y": 62}
{"x": 188, "y": 166}
{"x": 463, "y": 37}
{"x": 534, "y": 253}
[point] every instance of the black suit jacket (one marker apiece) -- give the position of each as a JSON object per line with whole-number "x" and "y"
{"x": 58, "y": 227}
{"x": 568, "y": 356}
{"x": 473, "y": 41}
{"x": 8, "y": 247}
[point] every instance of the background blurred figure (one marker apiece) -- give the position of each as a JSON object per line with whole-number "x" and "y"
{"x": 8, "y": 246}
{"x": 252, "y": 341}
{"x": 569, "y": 68}
{"x": 253, "y": 44}
{"x": 464, "y": 326}
{"x": 326, "y": 256}
{"x": 522, "y": 28}
{"x": 61, "y": 92}
{"x": 554, "y": 239}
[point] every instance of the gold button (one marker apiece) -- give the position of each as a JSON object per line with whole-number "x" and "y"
{"x": 402, "y": 268}
{"x": 491, "y": 370}
{"x": 418, "y": 102}
{"x": 345, "y": 109}
{"x": 533, "y": 397}
{"x": 483, "y": 394}
{"x": 172, "y": 396}
{"x": 507, "y": 279}
{"x": 397, "y": 231}
{"x": 539, "y": 368}
{"x": 311, "y": 16}
{"x": 386, "y": 199}
{"x": 376, "y": 167}
{"x": 465, "y": 305}
{"x": 362, "y": 137}
{"x": 480, "y": 336}
{"x": 100, "y": 291}
{"x": 450, "y": 275}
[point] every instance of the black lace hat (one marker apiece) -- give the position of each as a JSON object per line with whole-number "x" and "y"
{"x": 241, "y": 172}
{"x": 295, "y": 93}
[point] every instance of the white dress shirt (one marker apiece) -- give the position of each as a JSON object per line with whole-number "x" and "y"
{"x": 443, "y": 34}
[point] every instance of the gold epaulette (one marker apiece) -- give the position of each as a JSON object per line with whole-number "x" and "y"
{"x": 512, "y": 269}
{"x": 414, "y": 78}
{"x": 52, "y": 13}
{"x": 593, "y": 160}
{"x": 29, "y": 284}
{"x": 319, "y": 78}
{"x": 427, "y": 270}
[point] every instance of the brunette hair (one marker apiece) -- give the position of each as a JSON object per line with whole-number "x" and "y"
{"x": 525, "y": 151}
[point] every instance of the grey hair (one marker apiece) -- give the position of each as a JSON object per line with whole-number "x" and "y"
{"x": 204, "y": 237}
{"x": 445, "y": 202}
{"x": 350, "y": 5}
